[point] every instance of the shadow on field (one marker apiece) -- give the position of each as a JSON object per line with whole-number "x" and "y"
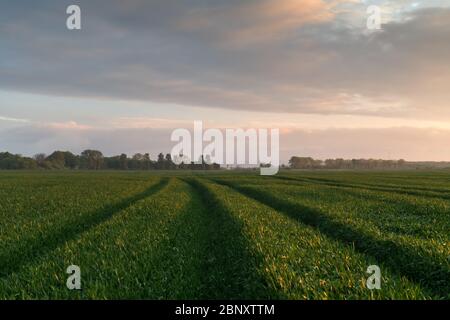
{"x": 420, "y": 268}
{"x": 228, "y": 268}
{"x": 411, "y": 191}
{"x": 31, "y": 249}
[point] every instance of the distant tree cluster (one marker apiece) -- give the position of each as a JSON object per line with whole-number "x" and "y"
{"x": 10, "y": 161}
{"x": 310, "y": 163}
{"x": 95, "y": 160}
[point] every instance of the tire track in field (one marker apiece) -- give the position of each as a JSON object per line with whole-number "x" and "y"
{"x": 12, "y": 260}
{"x": 431, "y": 275}
{"x": 369, "y": 194}
{"x": 333, "y": 183}
{"x": 412, "y": 188}
{"x": 228, "y": 267}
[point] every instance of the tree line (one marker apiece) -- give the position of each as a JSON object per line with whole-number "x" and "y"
{"x": 95, "y": 160}
{"x": 310, "y": 163}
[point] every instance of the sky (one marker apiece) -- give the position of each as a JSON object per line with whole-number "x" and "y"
{"x": 139, "y": 69}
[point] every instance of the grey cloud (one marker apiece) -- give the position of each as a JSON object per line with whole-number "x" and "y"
{"x": 138, "y": 50}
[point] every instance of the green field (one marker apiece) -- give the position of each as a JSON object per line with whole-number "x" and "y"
{"x": 298, "y": 235}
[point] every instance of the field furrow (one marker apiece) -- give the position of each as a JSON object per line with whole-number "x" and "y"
{"x": 32, "y": 247}
{"x": 132, "y": 254}
{"x": 429, "y": 269}
{"x": 301, "y": 263}
{"x": 421, "y": 192}
{"x": 228, "y": 267}
{"x": 225, "y": 235}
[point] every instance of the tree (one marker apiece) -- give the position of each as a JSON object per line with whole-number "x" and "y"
{"x": 304, "y": 163}
{"x": 137, "y": 162}
{"x": 169, "y": 163}
{"x": 11, "y": 161}
{"x": 123, "y": 162}
{"x": 161, "y": 163}
{"x": 147, "y": 162}
{"x": 40, "y": 158}
{"x": 92, "y": 159}
{"x": 138, "y": 157}
{"x": 63, "y": 159}
{"x": 401, "y": 163}
{"x": 112, "y": 162}
{"x": 71, "y": 161}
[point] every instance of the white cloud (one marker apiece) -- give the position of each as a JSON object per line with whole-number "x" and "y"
{"x": 9, "y": 119}
{"x": 69, "y": 125}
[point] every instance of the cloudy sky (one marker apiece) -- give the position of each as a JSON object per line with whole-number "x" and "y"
{"x": 140, "y": 68}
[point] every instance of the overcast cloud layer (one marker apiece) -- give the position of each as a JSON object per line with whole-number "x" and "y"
{"x": 272, "y": 56}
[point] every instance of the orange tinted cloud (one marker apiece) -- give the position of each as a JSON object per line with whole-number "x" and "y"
{"x": 261, "y": 20}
